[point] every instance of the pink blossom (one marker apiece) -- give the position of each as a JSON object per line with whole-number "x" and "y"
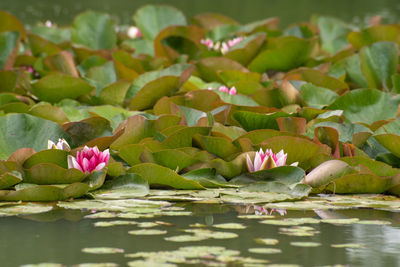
{"x": 89, "y": 159}
{"x": 267, "y": 160}
{"x": 234, "y": 41}
{"x": 207, "y": 42}
{"x": 223, "y": 89}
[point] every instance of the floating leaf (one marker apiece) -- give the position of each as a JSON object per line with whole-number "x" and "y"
{"x": 125, "y": 186}
{"x": 265, "y": 250}
{"x": 55, "y": 87}
{"x": 22, "y": 130}
{"x": 102, "y": 250}
{"x": 282, "y": 54}
{"x": 8, "y": 45}
{"x": 94, "y": 29}
{"x": 156, "y": 174}
{"x": 305, "y": 244}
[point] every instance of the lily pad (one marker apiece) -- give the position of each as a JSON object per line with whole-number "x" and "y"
{"x": 305, "y": 244}
{"x": 102, "y": 250}
{"x": 265, "y": 250}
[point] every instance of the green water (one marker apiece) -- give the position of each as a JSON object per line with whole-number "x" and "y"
{"x": 289, "y": 11}
{"x": 60, "y": 235}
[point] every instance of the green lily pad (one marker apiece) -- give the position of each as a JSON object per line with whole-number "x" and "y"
{"x": 23, "y": 130}
{"x": 55, "y": 87}
{"x": 186, "y": 238}
{"x": 317, "y": 97}
{"x": 305, "y": 244}
{"x": 348, "y": 245}
{"x": 55, "y": 156}
{"x": 266, "y": 241}
{"x": 284, "y": 174}
{"x": 374, "y": 34}
{"x": 156, "y": 174}
{"x": 45, "y": 192}
{"x": 113, "y": 223}
{"x": 265, "y": 250}
{"x": 378, "y": 63}
{"x": 326, "y": 172}
{"x": 151, "y": 19}
{"x": 229, "y": 226}
{"x": 253, "y": 121}
{"x": 10, "y": 23}
{"x": 125, "y": 186}
{"x": 282, "y": 54}
{"x": 94, "y": 30}
{"x": 366, "y": 105}
{"x": 341, "y": 221}
{"x": 9, "y": 179}
{"x": 102, "y": 250}
{"x": 147, "y": 232}
{"x": 49, "y": 173}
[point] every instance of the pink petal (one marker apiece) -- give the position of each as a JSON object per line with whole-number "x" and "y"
{"x": 72, "y": 163}
{"x": 100, "y": 166}
{"x": 250, "y": 166}
{"x": 257, "y": 162}
{"x": 85, "y": 164}
{"x": 233, "y": 91}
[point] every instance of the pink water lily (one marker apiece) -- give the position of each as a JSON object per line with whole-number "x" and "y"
{"x": 223, "y": 47}
{"x": 267, "y": 160}
{"x": 89, "y": 159}
{"x": 61, "y": 144}
{"x": 225, "y": 89}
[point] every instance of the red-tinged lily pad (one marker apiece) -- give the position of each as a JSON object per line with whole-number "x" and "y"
{"x": 212, "y": 20}
{"x": 210, "y": 67}
{"x": 94, "y": 30}
{"x": 45, "y": 192}
{"x": 317, "y": 78}
{"x": 298, "y": 149}
{"x": 55, "y": 156}
{"x": 62, "y": 62}
{"x": 135, "y": 129}
{"x": 366, "y": 105}
{"x": 158, "y": 175}
{"x": 85, "y": 130}
{"x": 39, "y": 46}
{"x": 151, "y": 19}
{"x": 8, "y": 47}
{"x": 374, "y": 34}
{"x": 183, "y": 40}
{"x": 283, "y": 54}
{"x": 49, "y": 112}
{"x": 26, "y": 131}
{"x": 327, "y": 172}
{"x": 55, "y": 87}
{"x": 49, "y": 173}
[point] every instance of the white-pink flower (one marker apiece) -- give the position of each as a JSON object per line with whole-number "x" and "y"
{"x": 89, "y": 159}
{"x": 61, "y": 144}
{"x": 267, "y": 160}
{"x": 134, "y": 32}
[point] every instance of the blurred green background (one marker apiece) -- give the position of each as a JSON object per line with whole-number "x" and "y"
{"x": 289, "y": 11}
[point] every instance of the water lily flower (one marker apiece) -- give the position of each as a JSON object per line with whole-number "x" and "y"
{"x": 225, "y": 89}
{"x": 61, "y": 144}
{"x": 267, "y": 160}
{"x": 223, "y": 47}
{"x": 89, "y": 159}
{"x": 134, "y": 32}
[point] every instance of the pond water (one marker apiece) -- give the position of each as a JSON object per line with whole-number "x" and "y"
{"x": 67, "y": 236}
{"x": 289, "y": 11}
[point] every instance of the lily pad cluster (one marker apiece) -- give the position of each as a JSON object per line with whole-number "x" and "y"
{"x": 323, "y": 94}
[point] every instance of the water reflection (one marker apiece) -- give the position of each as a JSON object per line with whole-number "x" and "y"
{"x": 59, "y": 236}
